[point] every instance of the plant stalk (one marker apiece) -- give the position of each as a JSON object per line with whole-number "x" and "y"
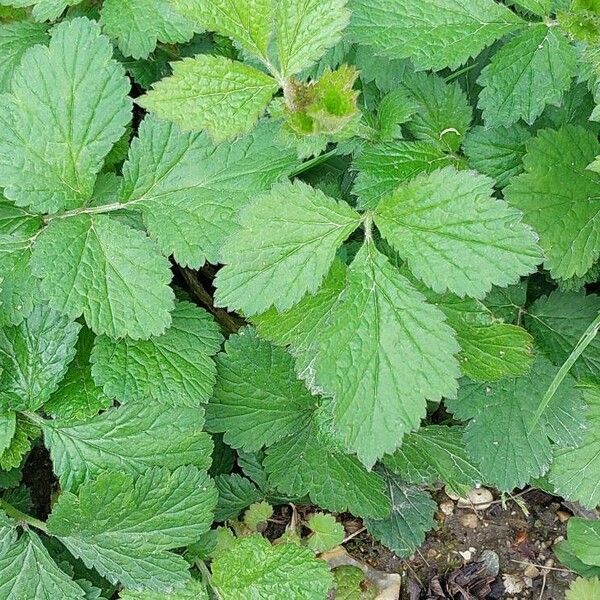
{"x": 22, "y": 517}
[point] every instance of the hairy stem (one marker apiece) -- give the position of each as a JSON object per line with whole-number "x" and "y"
{"x": 22, "y": 517}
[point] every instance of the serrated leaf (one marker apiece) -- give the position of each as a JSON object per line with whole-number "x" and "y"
{"x": 43, "y": 10}
{"x": 352, "y": 584}
{"x": 258, "y": 513}
{"x": 302, "y": 464}
{"x": 558, "y": 321}
{"x": 497, "y": 153}
{"x": 124, "y": 528}
{"x": 252, "y": 568}
{"x": 305, "y": 30}
{"x": 258, "y": 399}
{"x": 17, "y": 221}
{"x": 455, "y": 235}
{"x": 411, "y": 518}
{"x": 34, "y": 357}
{"x": 189, "y": 190}
{"x": 235, "y": 494}
{"x": 532, "y": 70}
{"x": 114, "y": 275}
{"x": 287, "y": 242}
{"x": 20, "y": 444}
{"x": 27, "y": 571}
{"x": 434, "y": 34}
{"x": 194, "y": 590}
{"x": 498, "y": 436}
{"x": 584, "y": 539}
{"x": 584, "y": 589}
{"x": 174, "y": 368}
{"x": 326, "y": 532}
{"x": 61, "y": 118}
{"x": 537, "y": 7}
{"x": 559, "y": 198}
{"x": 432, "y": 454}
{"x": 8, "y": 427}
{"x": 405, "y": 350}
{"x": 138, "y": 25}
{"x": 224, "y": 97}
{"x": 248, "y": 22}
{"x": 131, "y": 439}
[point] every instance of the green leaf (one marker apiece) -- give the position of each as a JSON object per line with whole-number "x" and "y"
{"x": 211, "y": 92}
{"x": 194, "y": 590}
{"x": 351, "y": 584}
{"x": 333, "y": 480}
{"x": 252, "y": 568}
{"x": 67, "y": 108}
{"x": 124, "y": 528}
{"x": 537, "y": 7}
{"x": 508, "y": 303}
{"x": 248, "y": 22}
{"x": 566, "y": 555}
{"x": 532, "y": 70}
{"x": 8, "y": 427}
{"x": 326, "y": 532}
{"x": 584, "y": 589}
{"x": 258, "y": 399}
{"x": 411, "y": 518}
{"x": 17, "y": 221}
{"x": 434, "y": 34}
{"x": 44, "y": 10}
{"x": 584, "y": 538}
{"x": 20, "y": 444}
{"x": 27, "y": 571}
{"x": 114, "y": 275}
{"x": 404, "y": 349}
{"x": 189, "y": 190}
{"x": 285, "y": 248}
{"x": 34, "y": 357}
{"x": 138, "y": 25}
{"x": 455, "y": 235}
{"x": 497, "y": 153}
{"x": 432, "y": 454}
{"x": 498, "y": 435}
{"x": 131, "y": 439}
{"x": 174, "y": 368}
{"x": 15, "y": 39}
{"x": 257, "y": 514}
{"x": 305, "y": 30}
{"x": 559, "y": 198}
{"x": 558, "y": 321}
{"x": 575, "y": 471}
{"x": 235, "y": 494}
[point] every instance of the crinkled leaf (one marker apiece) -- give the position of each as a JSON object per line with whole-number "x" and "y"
{"x": 194, "y": 590}
{"x": 20, "y": 444}
{"x": 8, "y": 427}
{"x": 584, "y": 589}
{"x": 43, "y": 10}
{"x": 236, "y": 493}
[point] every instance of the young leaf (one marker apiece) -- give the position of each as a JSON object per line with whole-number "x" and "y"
{"x": 174, "y": 368}
{"x": 131, "y": 439}
{"x": 19, "y": 445}
{"x": 257, "y": 514}
{"x": 285, "y": 248}
{"x": 559, "y": 198}
{"x": 235, "y": 494}
{"x": 124, "y": 528}
{"x": 68, "y": 105}
{"x": 258, "y": 399}
{"x": 252, "y": 568}
{"x": 113, "y": 274}
{"x": 326, "y": 532}
{"x": 434, "y": 34}
{"x": 584, "y": 589}
{"x": 224, "y": 97}
{"x": 405, "y": 350}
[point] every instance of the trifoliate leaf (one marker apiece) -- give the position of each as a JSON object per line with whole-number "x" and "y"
{"x": 194, "y": 590}
{"x": 305, "y": 30}
{"x": 559, "y": 198}
{"x": 497, "y": 153}
{"x": 34, "y": 357}
{"x": 174, "y": 368}
{"x": 138, "y": 25}
{"x": 61, "y": 118}
{"x": 252, "y": 568}
{"x": 455, "y": 235}
{"x": 15, "y": 40}
{"x": 432, "y": 454}
{"x": 403, "y": 346}
{"x": 248, "y": 22}
{"x": 498, "y": 435}
{"x": 326, "y": 532}
{"x": 257, "y": 514}
{"x": 303, "y": 464}
{"x": 385, "y": 166}
{"x": 411, "y": 518}
{"x": 558, "y": 321}
{"x": 285, "y": 248}
{"x": 258, "y": 399}
{"x": 584, "y": 589}
{"x": 224, "y": 97}
{"x": 434, "y": 34}
{"x": 20, "y": 444}
{"x": 27, "y": 571}
{"x": 124, "y": 528}
{"x": 575, "y": 472}
{"x": 189, "y": 190}
{"x": 235, "y": 494}
{"x": 131, "y": 438}
{"x": 114, "y": 275}
{"x": 584, "y": 539}
{"x": 532, "y": 70}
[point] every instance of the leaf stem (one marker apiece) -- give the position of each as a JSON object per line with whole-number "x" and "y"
{"x": 313, "y": 162}
{"x": 22, "y": 517}
{"x": 368, "y": 225}
{"x": 34, "y": 418}
{"x": 207, "y": 577}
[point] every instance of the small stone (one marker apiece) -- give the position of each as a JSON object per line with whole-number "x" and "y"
{"x": 563, "y": 516}
{"x": 466, "y": 554}
{"x": 513, "y": 584}
{"x": 478, "y": 498}
{"x": 470, "y": 521}
{"x": 531, "y": 571}
{"x": 447, "y": 507}
{"x": 491, "y": 560}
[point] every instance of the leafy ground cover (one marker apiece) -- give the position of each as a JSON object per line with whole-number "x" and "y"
{"x": 278, "y": 275}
